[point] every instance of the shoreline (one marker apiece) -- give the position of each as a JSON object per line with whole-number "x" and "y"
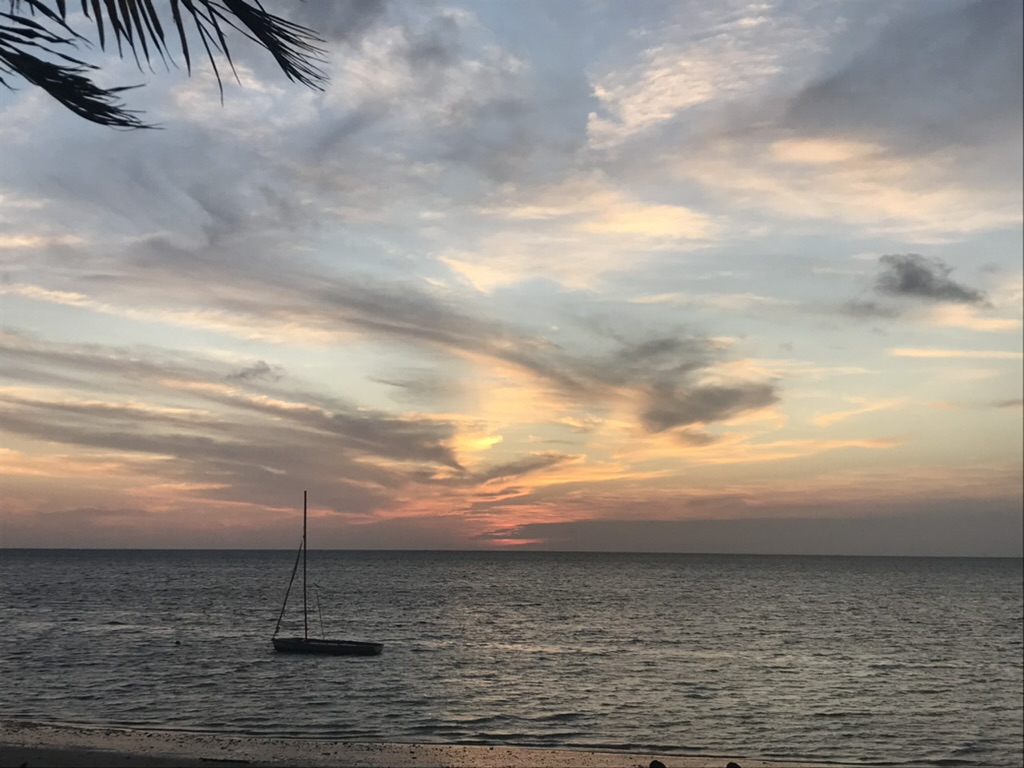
{"x": 74, "y": 746}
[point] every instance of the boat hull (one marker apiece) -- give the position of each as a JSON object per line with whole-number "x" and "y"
{"x": 326, "y": 647}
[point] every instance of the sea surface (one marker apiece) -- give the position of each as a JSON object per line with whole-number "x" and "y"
{"x": 883, "y": 661}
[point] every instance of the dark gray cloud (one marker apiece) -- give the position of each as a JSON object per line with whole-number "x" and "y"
{"x": 670, "y": 405}
{"x": 1014, "y": 403}
{"x": 695, "y": 437}
{"x": 867, "y": 309}
{"x": 258, "y": 370}
{"x": 910, "y": 274}
{"x": 664, "y": 354}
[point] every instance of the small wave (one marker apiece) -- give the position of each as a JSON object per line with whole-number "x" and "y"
{"x": 472, "y": 721}
{"x": 558, "y": 717}
{"x": 842, "y": 714}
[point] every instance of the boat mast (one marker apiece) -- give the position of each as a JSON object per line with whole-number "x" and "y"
{"x": 305, "y": 609}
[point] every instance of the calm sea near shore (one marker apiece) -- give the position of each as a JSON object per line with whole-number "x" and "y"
{"x": 873, "y": 660}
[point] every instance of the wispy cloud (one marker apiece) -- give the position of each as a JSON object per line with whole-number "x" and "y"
{"x": 862, "y": 406}
{"x": 588, "y": 220}
{"x": 959, "y": 316}
{"x": 678, "y": 71}
{"x": 969, "y": 354}
{"x": 925, "y": 199}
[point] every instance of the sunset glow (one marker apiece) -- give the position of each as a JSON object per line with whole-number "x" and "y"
{"x": 544, "y": 275}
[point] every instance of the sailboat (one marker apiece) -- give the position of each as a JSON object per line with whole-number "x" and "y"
{"x": 307, "y": 644}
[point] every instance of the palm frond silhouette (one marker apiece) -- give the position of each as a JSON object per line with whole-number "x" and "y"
{"x": 37, "y": 42}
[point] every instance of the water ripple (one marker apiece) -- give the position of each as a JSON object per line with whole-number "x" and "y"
{"x": 879, "y": 661}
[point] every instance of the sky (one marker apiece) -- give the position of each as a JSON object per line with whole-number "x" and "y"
{"x": 649, "y": 276}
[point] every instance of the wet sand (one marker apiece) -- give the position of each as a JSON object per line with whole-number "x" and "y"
{"x": 39, "y": 746}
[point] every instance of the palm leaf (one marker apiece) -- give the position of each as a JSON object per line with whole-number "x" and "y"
{"x": 69, "y": 85}
{"x": 135, "y": 28}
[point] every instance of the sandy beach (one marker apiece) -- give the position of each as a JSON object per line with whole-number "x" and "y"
{"x": 37, "y": 746}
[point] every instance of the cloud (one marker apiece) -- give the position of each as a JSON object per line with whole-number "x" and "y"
{"x": 258, "y": 370}
{"x": 245, "y": 427}
{"x": 529, "y": 464}
{"x": 393, "y": 292}
{"x": 422, "y": 386}
{"x": 34, "y": 241}
{"x": 339, "y": 20}
{"x": 925, "y": 80}
{"x": 695, "y": 438}
{"x": 910, "y": 274}
{"x": 739, "y": 450}
{"x": 310, "y": 306}
{"x": 863, "y": 406}
{"x": 199, "y": 425}
{"x": 678, "y": 72}
{"x": 582, "y": 424}
{"x": 587, "y": 219}
{"x": 915, "y": 135}
{"x": 434, "y": 82}
{"x": 966, "y": 354}
{"x": 671, "y": 406}
{"x": 862, "y": 308}
{"x": 959, "y": 316}
{"x": 923, "y": 198}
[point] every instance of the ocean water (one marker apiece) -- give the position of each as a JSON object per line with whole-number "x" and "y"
{"x": 874, "y": 660}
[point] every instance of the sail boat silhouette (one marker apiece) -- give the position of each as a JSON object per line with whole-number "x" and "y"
{"x": 307, "y": 644}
